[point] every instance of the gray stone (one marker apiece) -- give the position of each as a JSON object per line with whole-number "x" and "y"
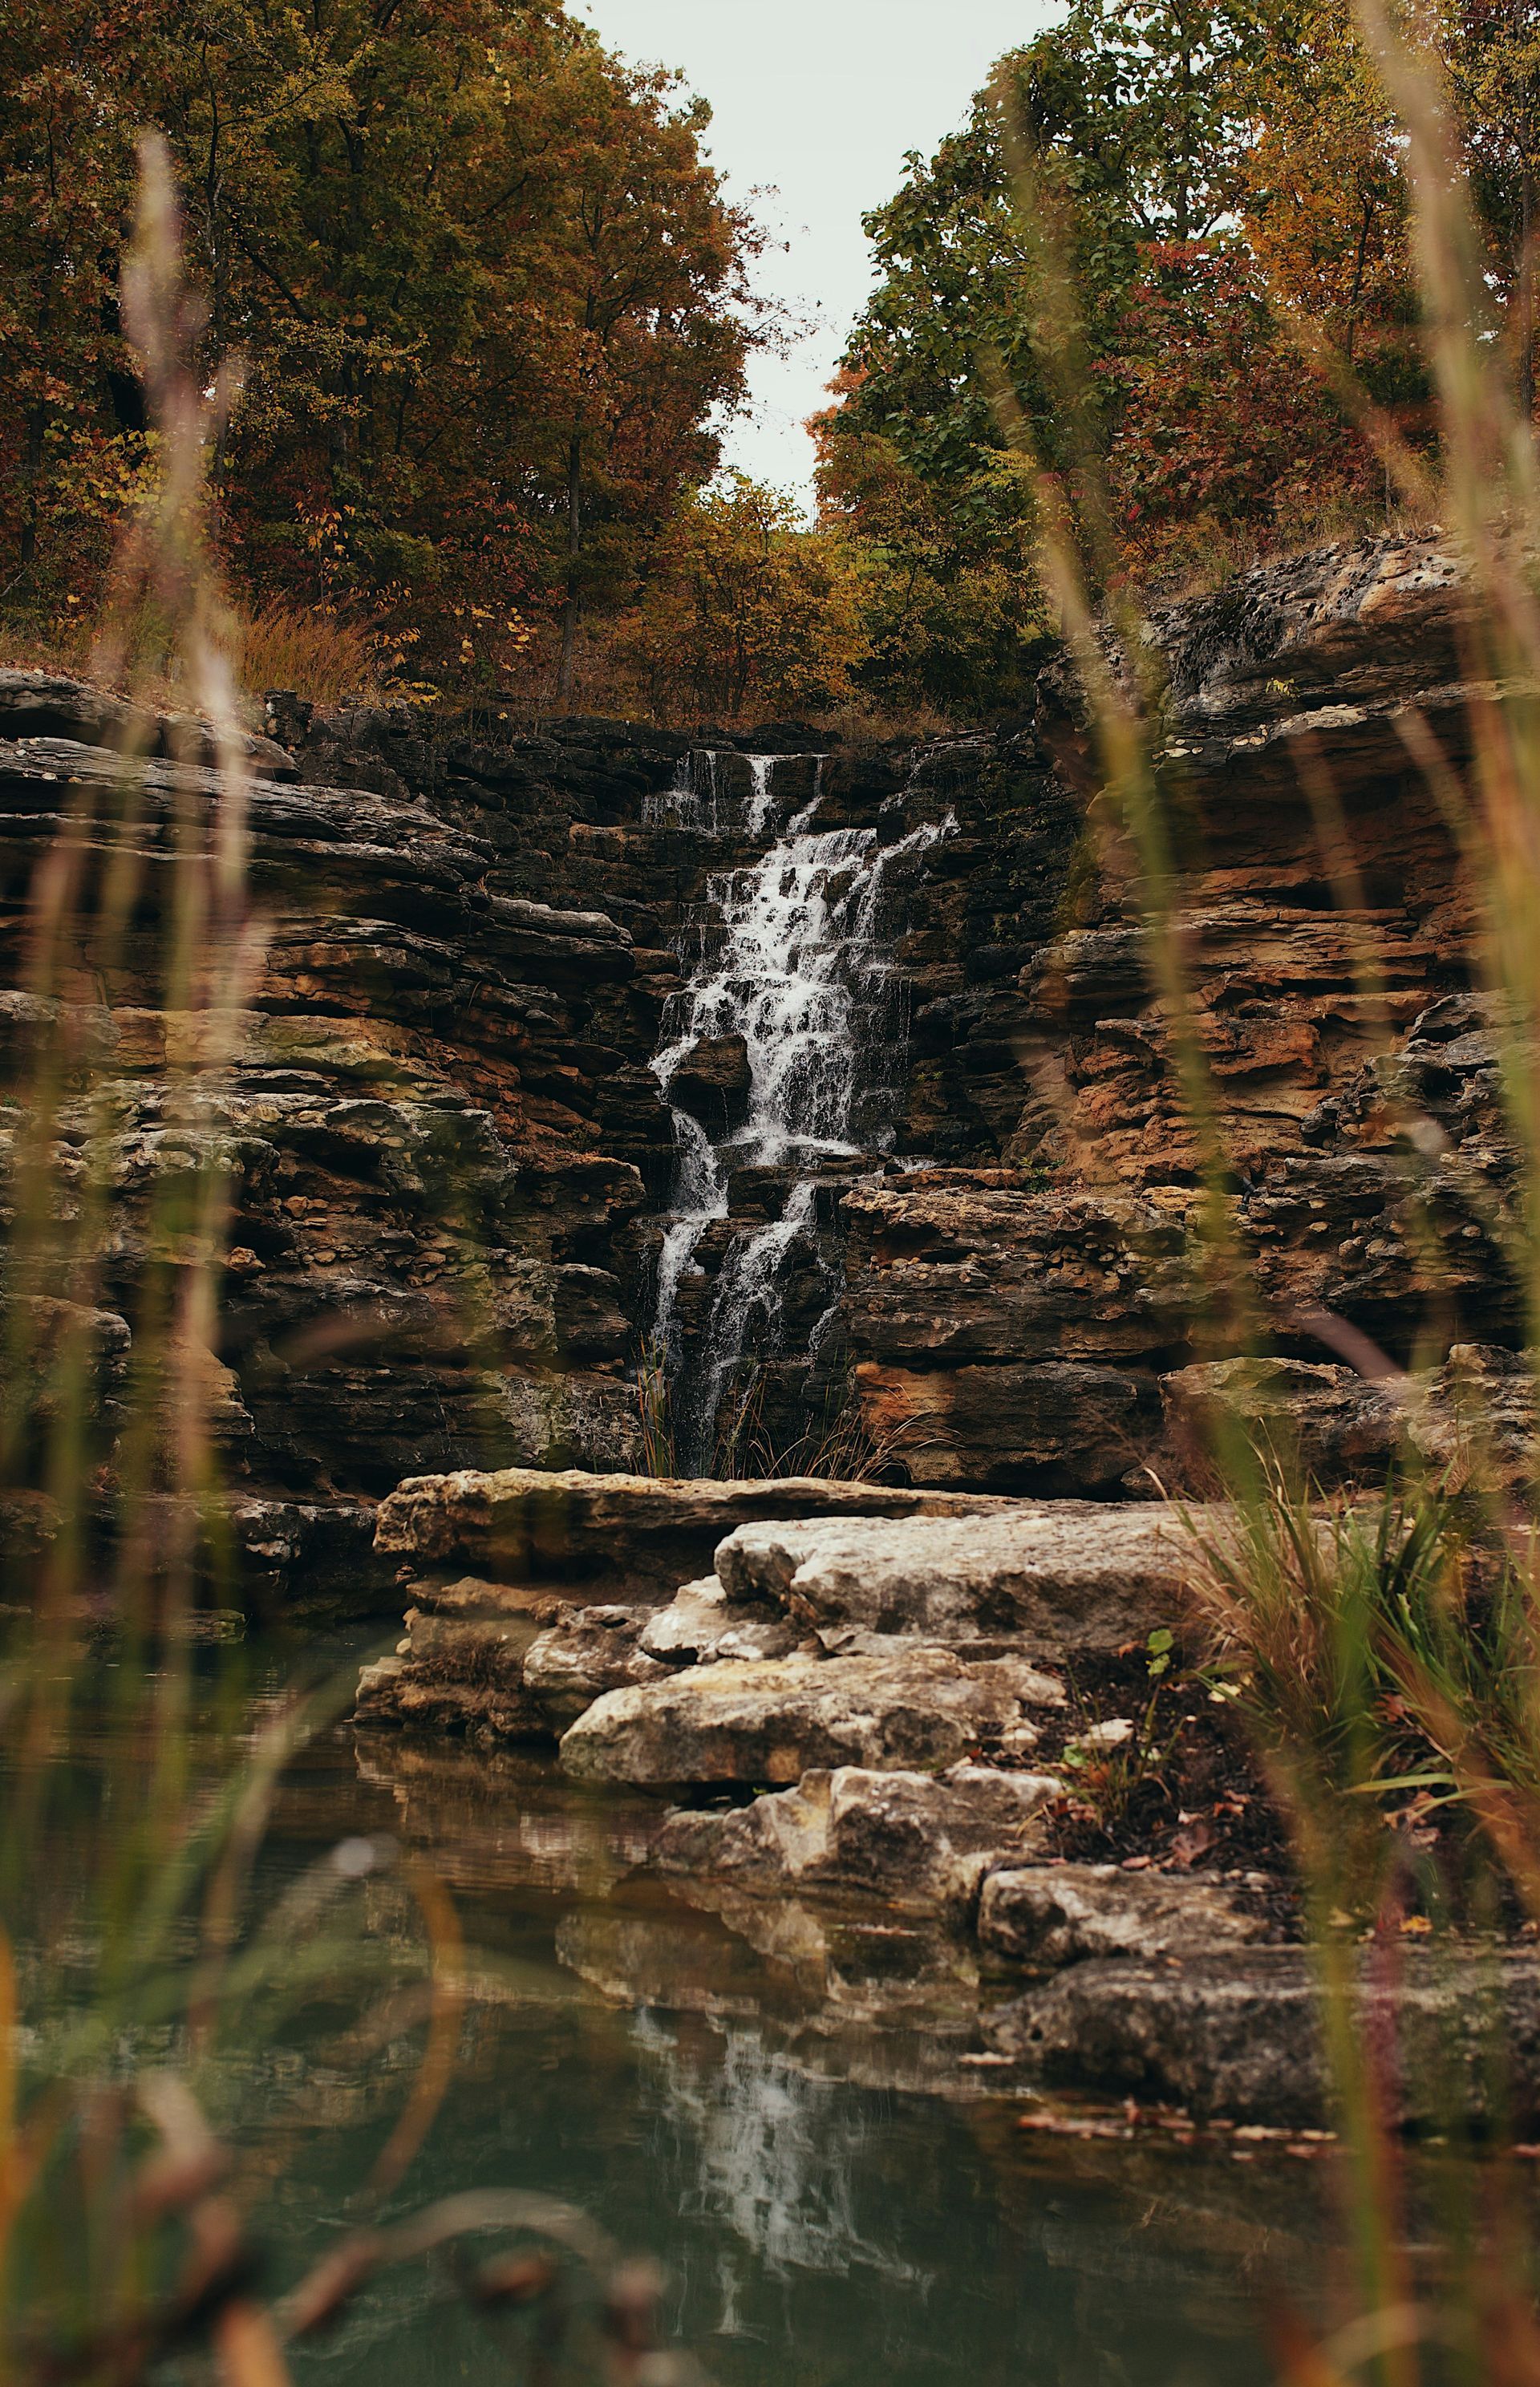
{"x": 1049, "y": 1916}
{"x": 592, "y": 1650}
{"x": 1068, "y": 1575}
{"x": 1237, "y": 2033}
{"x": 701, "y": 1625}
{"x": 769, "y": 1721}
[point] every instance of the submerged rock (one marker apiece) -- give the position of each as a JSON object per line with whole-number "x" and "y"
{"x": 1237, "y": 2032}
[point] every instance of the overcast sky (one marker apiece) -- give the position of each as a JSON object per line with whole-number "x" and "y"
{"x": 819, "y": 99}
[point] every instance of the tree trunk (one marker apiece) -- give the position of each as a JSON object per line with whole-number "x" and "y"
{"x": 31, "y": 477}
{"x": 1526, "y": 299}
{"x": 572, "y": 609}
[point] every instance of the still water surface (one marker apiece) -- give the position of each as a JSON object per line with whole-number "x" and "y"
{"x": 823, "y": 2220}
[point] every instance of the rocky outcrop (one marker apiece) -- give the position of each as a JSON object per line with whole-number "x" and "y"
{"x": 446, "y": 1149}
{"x": 1033, "y": 1320}
{"x": 526, "y": 1589}
{"x": 774, "y": 1720}
{"x": 517, "y": 1577}
{"x": 1066, "y": 1576}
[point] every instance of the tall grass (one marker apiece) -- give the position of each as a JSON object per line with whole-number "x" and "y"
{"x": 141, "y": 1964}
{"x": 1386, "y": 1652}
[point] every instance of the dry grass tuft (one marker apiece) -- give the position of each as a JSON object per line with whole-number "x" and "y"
{"x": 326, "y": 658}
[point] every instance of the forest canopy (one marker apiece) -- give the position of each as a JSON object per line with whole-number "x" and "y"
{"x": 495, "y": 310}
{"x": 1175, "y": 234}
{"x": 490, "y": 298}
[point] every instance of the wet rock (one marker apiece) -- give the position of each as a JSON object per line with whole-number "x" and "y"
{"x": 1045, "y": 1917}
{"x": 918, "y": 1842}
{"x": 713, "y": 1082}
{"x": 1237, "y": 2033}
{"x": 1046, "y": 1578}
{"x": 771, "y": 1721}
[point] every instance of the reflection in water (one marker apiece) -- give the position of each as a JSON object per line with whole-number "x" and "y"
{"x": 666, "y": 2071}
{"x": 753, "y": 2135}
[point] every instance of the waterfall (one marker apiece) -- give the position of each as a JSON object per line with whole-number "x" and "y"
{"x": 788, "y": 954}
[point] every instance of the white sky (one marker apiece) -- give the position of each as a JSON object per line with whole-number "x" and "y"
{"x": 819, "y": 99}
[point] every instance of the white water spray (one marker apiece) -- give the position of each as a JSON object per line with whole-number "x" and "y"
{"x": 789, "y": 957}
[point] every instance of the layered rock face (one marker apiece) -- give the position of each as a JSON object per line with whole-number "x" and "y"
{"x": 1048, "y": 1324}
{"x": 445, "y": 1147}
{"x": 451, "y": 1161}
{"x": 437, "y": 1121}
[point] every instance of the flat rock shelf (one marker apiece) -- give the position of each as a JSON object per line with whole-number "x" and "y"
{"x": 861, "y": 1729}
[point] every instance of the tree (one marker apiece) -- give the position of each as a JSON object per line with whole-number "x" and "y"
{"x": 751, "y": 611}
{"x": 1490, "y": 51}
{"x": 1154, "y": 213}
{"x": 1321, "y": 195}
{"x": 490, "y": 295}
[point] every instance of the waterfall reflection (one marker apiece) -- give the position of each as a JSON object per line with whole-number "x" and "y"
{"x": 765, "y": 2149}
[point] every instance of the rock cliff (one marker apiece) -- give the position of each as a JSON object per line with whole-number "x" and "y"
{"x": 449, "y": 1157}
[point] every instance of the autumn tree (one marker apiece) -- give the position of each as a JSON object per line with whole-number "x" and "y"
{"x": 1490, "y": 53}
{"x": 751, "y": 611}
{"x": 1162, "y": 260}
{"x": 491, "y": 295}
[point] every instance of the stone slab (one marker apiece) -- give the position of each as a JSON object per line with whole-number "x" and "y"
{"x": 1050, "y": 1915}
{"x": 917, "y": 1841}
{"x": 645, "y": 1534}
{"x": 1059, "y": 1577}
{"x": 920, "y": 1709}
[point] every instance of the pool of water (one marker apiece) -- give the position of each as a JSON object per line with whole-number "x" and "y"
{"x": 837, "y": 2198}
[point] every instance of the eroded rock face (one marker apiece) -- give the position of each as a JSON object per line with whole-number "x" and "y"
{"x": 447, "y": 1149}
{"x": 712, "y": 1084}
{"x": 1353, "y": 1070}
{"x": 774, "y": 1720}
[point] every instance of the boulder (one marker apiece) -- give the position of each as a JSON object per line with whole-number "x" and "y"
{"x": 769, "y": 1721}
{"x": 1069, "y": 1575}
{"x": 1236, "y": 2032}
{"x": 591, "y": 1651}
{"x": 918, "y": 1842}
{"x": 701, "y": 1625}
{"x": 1049, "y": 1916}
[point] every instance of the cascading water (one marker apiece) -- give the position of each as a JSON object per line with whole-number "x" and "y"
{"x": 787, "y": 956}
